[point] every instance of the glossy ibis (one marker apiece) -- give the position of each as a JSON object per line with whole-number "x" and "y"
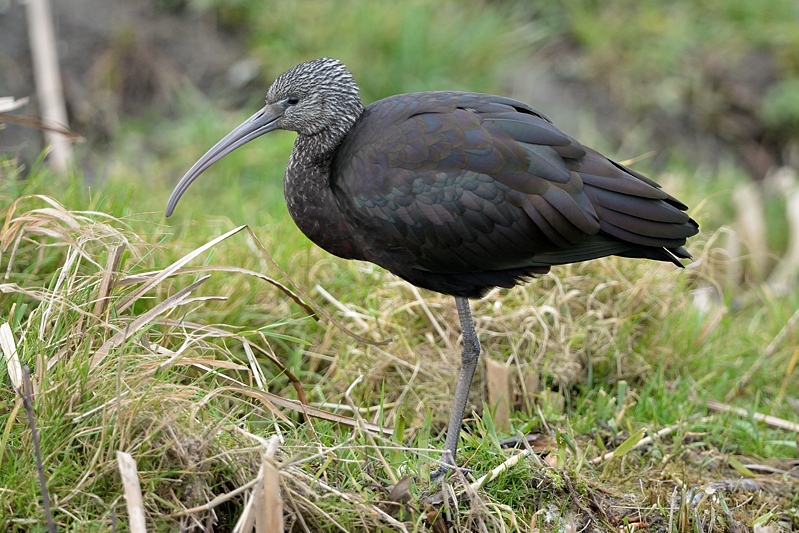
{"x": 455, "y": 192}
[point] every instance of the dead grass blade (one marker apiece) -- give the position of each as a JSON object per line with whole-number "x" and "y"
{"x": 171, "y": 269}
{"x": 33, "y": 121}
{"x": 308, "y": 410}
{"x": 769, "y": 420}
{"x": 644, "y": 441}
{"x": 264, "y": 509}
{"x": 269, "y": 504}
{"x": 246, "y": 521}
{"x": 130, "y": 483}
{"x": 143, "y": 277}
{"x": 107, "y": 282}
{"x": 9, "y": 103}
{"x": 216, "y": 502}
{"x": 55, "y": 305}
{"x": 10, "y": 421}
{"x": 9, "y": 346}
{"x": 144, "y": 319}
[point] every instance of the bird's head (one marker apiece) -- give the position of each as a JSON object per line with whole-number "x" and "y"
{"x": 318, "y": 99}
{"x": 317, "y": 96}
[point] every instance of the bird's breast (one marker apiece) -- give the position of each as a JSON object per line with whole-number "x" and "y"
{"x": 312, "y": 206}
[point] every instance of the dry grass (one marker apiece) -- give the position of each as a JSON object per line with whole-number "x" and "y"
{"x": 132, "y": 359}
{"x": 560, "y": 331}
{"x": 120, "y": 371}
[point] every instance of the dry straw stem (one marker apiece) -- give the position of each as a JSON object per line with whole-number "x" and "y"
{"x": 48, "y": 78}
{"x": 9, "y": 346}
{"x": 772, "y": 421}
{"x": 265, "y": 506}
{"x": 269, "y": 516}
{"x": 496, "y": 471}
{"x": 9, "y": 103}
{"x": 646, "y": 440}
{"x": 133, "y": 497}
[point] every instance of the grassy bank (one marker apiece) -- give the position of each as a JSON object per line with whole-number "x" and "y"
{"x": 178, "y": 370}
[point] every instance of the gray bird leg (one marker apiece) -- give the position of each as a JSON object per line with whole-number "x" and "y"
{"x": 469, "y": 355}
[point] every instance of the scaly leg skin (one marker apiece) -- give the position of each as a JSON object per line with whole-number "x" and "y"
{"x": 469, "y": 356}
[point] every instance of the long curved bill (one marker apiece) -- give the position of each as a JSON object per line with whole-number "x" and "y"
{"x": 264, "y": 121}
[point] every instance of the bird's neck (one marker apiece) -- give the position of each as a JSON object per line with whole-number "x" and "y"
{"x": 311, "y": 202}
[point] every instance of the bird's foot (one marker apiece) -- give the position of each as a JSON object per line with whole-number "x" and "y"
{"x": 439, "y": 473}
{"x": 444, "y": 468}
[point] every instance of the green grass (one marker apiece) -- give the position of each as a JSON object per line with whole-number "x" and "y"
{"x": 617, "y": 344}
{"x": 677, "y": 56}
{"x": 396, "y": 46}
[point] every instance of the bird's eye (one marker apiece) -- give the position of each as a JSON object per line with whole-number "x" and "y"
{"x": 292, "y": 100}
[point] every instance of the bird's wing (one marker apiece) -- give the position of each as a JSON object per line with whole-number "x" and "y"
{"x": 465, "y": 183}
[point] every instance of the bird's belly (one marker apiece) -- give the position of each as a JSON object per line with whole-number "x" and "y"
{"x": 325, "y": 227}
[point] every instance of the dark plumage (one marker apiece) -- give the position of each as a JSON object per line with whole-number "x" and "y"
{"x": 455, "y": 192}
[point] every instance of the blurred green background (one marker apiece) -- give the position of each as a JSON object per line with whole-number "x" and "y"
{"x": 711, "y": 85}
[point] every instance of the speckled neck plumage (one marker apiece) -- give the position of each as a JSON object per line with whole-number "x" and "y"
{"x": 310, "y": 199}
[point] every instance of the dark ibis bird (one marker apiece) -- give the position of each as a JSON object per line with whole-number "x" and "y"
{"x": 455, "y": 192}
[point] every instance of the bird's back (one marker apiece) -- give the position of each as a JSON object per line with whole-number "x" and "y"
{"x": 461, "y": 192}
